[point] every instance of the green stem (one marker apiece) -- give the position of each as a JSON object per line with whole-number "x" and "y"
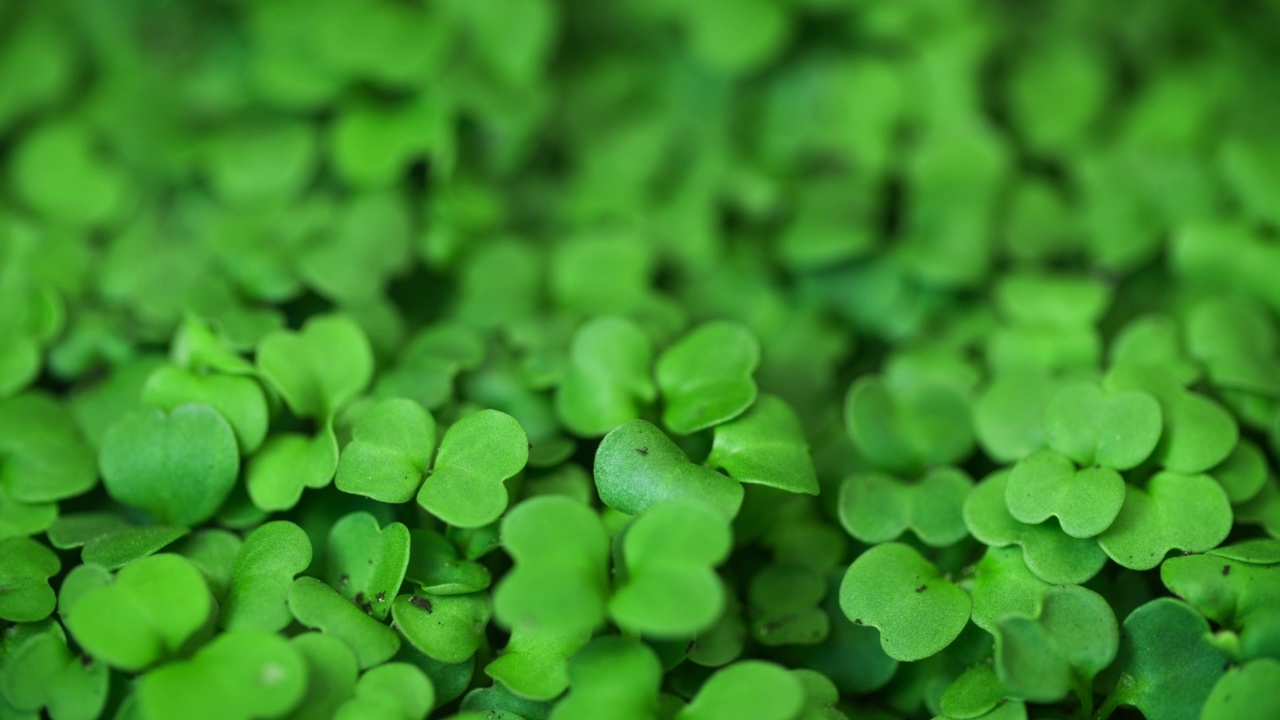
{"x": 1108, "y": 706}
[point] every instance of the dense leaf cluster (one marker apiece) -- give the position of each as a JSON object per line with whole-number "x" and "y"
{"x": 639, "y": 360}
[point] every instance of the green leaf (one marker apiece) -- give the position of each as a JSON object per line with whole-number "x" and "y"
{"x": 365, "y": 563}
{"x": 1228, "y": 585}
{"x": 19, "y": 519}
{"x": 43, "y": 457}
{"x": 974, "y": 694}
{"x": 319, "y": 368}
{"x": 25, "y": 569}
{"x": 1184, "y": 512}
{"x": 534, "y": 664}
{"x": 737, "y": 37}
{"x": 57, "y": 171}
{"x": 1003, "y": 585}
{"x": 751, "y": 688}
{"x": 1167, "y": 662}
{"x": 1117, "y": 430}
{"x": 264, "y": 570}
{"x": 785, "y": 602}
{"x": 1007, "y": 415}
{"x": 765, "y": 446}
{"x": 477, "y": 455}
{"x": 239, "y": 675}
{"x": 434, "y": 564}
{"x": 1154, "y": 341}
{"x": 214, "y": 553}
{"x": 1245, "y": 691}
{"x": 39, "y": 671}
{"x": 892, "y": 588}
{"x": 147, "y": 615}
{"x": 1198, "y": 432}
{"x": 238, "y": 399}
{"x": 389, "y": 453}
{"x": 1074, "y": 637}
{"x": 288, "y": 463}
{"x": 608, "y": 379}
{"x": 447, "y": 628}
{"x": 319, "y": 606}
{"x": 1050, "y": 553}
{"x": 910, "y": 428}
{"x": 1045, "y": 484}
{"x": 179, "y": 467}
{"x": 876, "y": 508}
{"x": 706, "y": 376}
{"x": 391, "y": 691}
{"x": 1243, "y": 473}
{"x": 611, "y": 677}
{"x": 637, "y": 467}
{"x": 331, "y": 669}
{"x": 109, "y": 540}
{"x": 561, "y": 574}
{"x": 671, "y": 589}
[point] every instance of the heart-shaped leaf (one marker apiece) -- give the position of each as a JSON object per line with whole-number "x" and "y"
{"x": 238, "y": 399}
{"x": 1050, "y": 553}
{"x": 892, "y": 588}
{"x": 1045, "y": 484}
{"x": 876, "y": 508}
{"x": 154, "y": 606}
{"x": 286, "y": 464}
{"x": 535, "y": 662}
{"x": 319, "y": 368}
{"x": 1074, "y": 637}
{"x": 611, "y": 677}
{"x": 447, "y": 628}
{"x": 25, "y": 569}
{"x": 607, "y": 382}
{"x": 751, "y": 688}
{"x": 389, "y": 453}
{"x": 765, "y": 446}
{"x": 1167, "y": 662}
{"x": 1002, "y": 585}
{"x": 1117, "y": 430}
{"x": 435, "y": 566}
{"x": 496, "y": 702}
{"x": 851, "y": 655}
{"x": 1226, "y": 585}
{"x": 395, "y": 691}
{"x": 561, "y": 574}
{"x": 19, "y": 519}
{"x": 1245, "y": 691}
{"x": 214, "y": 553}
{"x": 671, "y": 589}
{"x": 319, "y": 606}
{"x": 1154, "y": 341}
{"x": 365, "y": 563}
{"x": 331, "y": 675}
{"x": 1184, "y": 512}
{"x": 906, "y": 429}
{"x": 477, "y": 455}
{"x": 239, "y": 676}
{"x": 178, "y": 467}
{"x": 1007, "y": 416}
{"x": 1198, "y": 432}
{"x": 1262, "y": 509}
{"x": 43, "y": 457}
{"x": 39, "y": 671}
{"x": 637, "y": 467}
{"x": 264, "y": 570}
{"x": 706, "y": 376}
{"x": 1244, "y": 473}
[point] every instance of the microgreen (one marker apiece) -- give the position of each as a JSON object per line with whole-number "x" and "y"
{"x": 366, "y": 563}
{"x": 331, "y": 670}
{"x": 876, "y": 508}
{"x": 1048, "y": 551}
{"x": 435, "y": 566}
{"x": 42, "y": 455}
{"x": 1159, "y": 519}
{"x": 1227, "y": 585}
{"x": 109, "y": 540}
{"x": 39, "y": 671}
{"x": 263, "y": 573}
{"x": 319, "y": 606}
{"x": 320, "y": 368}
{"x": 670, "y": 589}
{"x": 608, "y": 379}
{"x": 706, "y": 376}
{"x": 25, "y": 569}
{"x": 147, "y": 614}
{"x": 765, "y": 446}
{"x": 289, "y": 463}
{"x": 477, "y": 455}
{"x": 238, "y": 399}
{"x": 909, "y": 428}
{"x": 534, "y": 663}
{"x": 1116, "y": 430}
{"x": 1245, "y": 689}
{"x": 751, "y": 687}
{"x": 893, "y": 588}
{"x": 637, "y": 467}
{"x": 179, "y": 466}
{"x": 447, "y": 628}
{"x": 1046, "y": 484}
{"x": 614, "y": 677}
{"x": 393, "y": 690}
